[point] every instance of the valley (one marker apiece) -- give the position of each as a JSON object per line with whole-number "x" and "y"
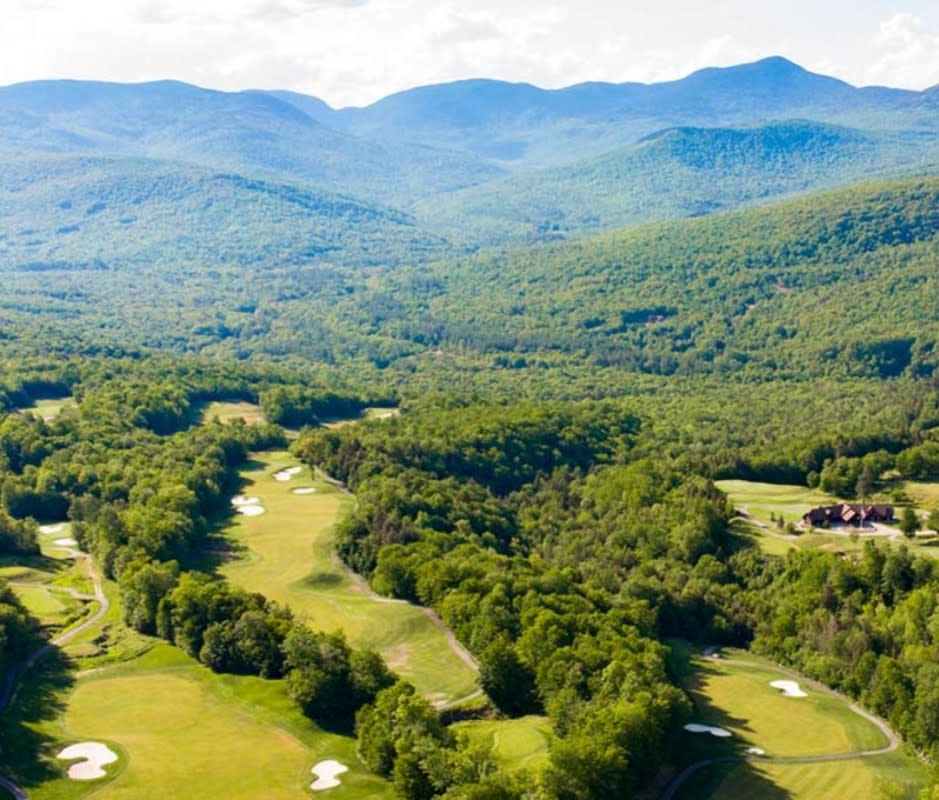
{"x": 457, "y": 446}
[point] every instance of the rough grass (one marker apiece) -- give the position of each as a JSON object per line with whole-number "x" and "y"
{"x": 48, "y": 410}
{"x": 516, "y": 743}
{"x": 189, "y": 733}
{"x": 287, "y": 555}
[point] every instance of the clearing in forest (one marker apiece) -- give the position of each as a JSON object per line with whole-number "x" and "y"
{"x": 230, "y": 411}
{"x": 287, "y": 554}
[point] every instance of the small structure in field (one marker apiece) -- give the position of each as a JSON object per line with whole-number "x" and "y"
{"x": 854, "y": 514}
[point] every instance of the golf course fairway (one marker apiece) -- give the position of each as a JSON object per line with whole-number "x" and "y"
{"x": 287, "y": 554}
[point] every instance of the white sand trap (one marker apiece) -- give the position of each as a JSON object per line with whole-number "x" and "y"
{"x": 789, "y": 688}
{"x": 65, "y": 543}
{"x": 51, "y": 529}
{"x": 287, "y": 474}
{"x": 326, "y": 773}
{"x": 241, "y": 500}
{"x": 305, "y": 490}
{"x": 756, "y": 751}
{"x": 712, "y": 652}
{"x": 94, "y": 756}
{"x": 718, "y": 732}
{"x": 251, "y": 510}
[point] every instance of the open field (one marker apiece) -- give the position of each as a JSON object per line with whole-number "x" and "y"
{"x": 368, "y": 413}
{"x": 228, "y": 412}
{"x": 924, "y": 493}
{"x": 826, "y": 751}
{"x": 287, "y": 554}
{"x": 49, "y": 409}
{"x": 516, "y": 743}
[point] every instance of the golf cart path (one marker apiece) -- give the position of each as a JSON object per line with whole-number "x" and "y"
{"x": 455, "y": 645}
{"x": 14, "y": 673}
{"x": 893, "y": 741}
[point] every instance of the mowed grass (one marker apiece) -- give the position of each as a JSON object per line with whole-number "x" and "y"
{"x": 840, "y": 780}
{"x": 287, "y": 554}
{"x": 230, "y": 411}
{"x": 516, "y": 743}
{"x": 735, "y": 693}
{"x": 764, "y": 501}
{"x": 924, "y": 493}
{"x": 186, "y": 732}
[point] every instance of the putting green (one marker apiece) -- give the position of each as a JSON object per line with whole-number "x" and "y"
{"x": 516, "y": 743}
{"x": 289, "y": 557}
{"x": 189, "y": 733}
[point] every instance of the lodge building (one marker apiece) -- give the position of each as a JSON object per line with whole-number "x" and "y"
{"x": 856, "y": 514}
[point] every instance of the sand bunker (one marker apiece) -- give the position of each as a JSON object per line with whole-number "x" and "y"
{"x": 241, "y": 500}
{"x": 326, "y": 773}
{"x": 789, "y": 688}
{"x": 94, "y": 756}
{"x": 287, "y": 474}
{"x": 756, "y": 751}
{"x": 305, "y": 490}
{"x": 719, "y": 732}
{"x": 251, "y": 510}
{"x": 47, "y": 529}
{"x": 65, "y": 543}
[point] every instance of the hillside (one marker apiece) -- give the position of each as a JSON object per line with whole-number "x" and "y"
{"x": 93, "y": 213}
{"x": 843, "y": 283}
{"x": 250, "y": 132}
{"x": 680, "y": 172}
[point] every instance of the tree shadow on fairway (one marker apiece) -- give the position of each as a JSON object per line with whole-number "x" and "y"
{"x": 731, "y": 780}
{"x": 27, "y": 752}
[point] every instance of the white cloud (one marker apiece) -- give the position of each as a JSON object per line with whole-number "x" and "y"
{"x": 354, "y": 51}
{"x": 908, "y": 55}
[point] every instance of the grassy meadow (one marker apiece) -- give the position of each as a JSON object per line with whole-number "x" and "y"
{"x": 49, "y": 409}
{"x": 230, "y": 411}
{"x": 287, "y": 554}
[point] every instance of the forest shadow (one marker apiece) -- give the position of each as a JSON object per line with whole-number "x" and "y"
{"x": 729, "y": 755}
{"x": 26, "y": 750}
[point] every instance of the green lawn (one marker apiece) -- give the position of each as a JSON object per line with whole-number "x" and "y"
{"x": 734, "y": 692}
{"x": 516, "y": 743}
{"x": 183, "y": 731}
{"x": 760, "y": 503}
{"x": 288, "y": 555}
{"x": 841, "y": 780}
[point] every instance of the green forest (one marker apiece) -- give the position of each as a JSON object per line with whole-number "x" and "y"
{"x": 548, "y": 492}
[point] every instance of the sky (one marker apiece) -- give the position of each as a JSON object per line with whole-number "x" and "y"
{"x": 352, "y": 52}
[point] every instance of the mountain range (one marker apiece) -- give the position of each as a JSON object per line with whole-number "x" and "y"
{"x": 476, "y": 162}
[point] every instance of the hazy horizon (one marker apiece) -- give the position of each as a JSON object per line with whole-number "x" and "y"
{"x": 353, "y": 52}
